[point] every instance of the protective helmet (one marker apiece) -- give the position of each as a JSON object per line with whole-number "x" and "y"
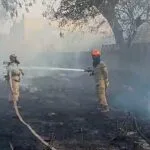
{"x": 12, "y": 57}
{"x": 95, "y": 53}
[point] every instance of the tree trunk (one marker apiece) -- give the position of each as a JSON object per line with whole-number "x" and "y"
{"x": 118, "y": 32}
{"x": 109, "y": 13}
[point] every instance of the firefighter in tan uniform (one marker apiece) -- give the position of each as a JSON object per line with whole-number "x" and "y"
{"x": 100, "y": 74}
{"x": 13, "y": 77}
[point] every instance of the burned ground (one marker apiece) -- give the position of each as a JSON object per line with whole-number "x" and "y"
{"x": 64, "y": 108}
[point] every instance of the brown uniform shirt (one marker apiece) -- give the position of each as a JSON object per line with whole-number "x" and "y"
{"x": 100, "y": 72}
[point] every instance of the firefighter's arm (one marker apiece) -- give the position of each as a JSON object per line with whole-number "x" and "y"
{"x": 10, "y": 81}
{"x": 89, "y": 70}
{"x": 105, "y": 71}
{"x": 22, "y": 73}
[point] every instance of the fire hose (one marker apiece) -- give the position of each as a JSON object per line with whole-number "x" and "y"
{"x": 52, "y": 148}
{"x": 19, "y": 115}
{"x": 30, "y": 128}
{"x": 11, "y": 146}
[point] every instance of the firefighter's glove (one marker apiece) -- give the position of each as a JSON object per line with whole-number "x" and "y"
{"x": 92, "y": 73}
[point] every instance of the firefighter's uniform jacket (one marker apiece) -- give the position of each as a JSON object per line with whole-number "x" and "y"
{"x": 101, "y": 79}
{"x": 14, "y": 72}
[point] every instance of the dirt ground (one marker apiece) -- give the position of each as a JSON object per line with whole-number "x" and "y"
{"x": 63, "y": 107}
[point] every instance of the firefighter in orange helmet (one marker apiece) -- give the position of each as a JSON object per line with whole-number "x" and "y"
{"x": 100, "y": 74}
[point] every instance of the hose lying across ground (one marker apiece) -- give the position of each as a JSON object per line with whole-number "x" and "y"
{"x": 52, "y": 148}
{"x": 11, "y": 146}
{"x": 31, "y": 129}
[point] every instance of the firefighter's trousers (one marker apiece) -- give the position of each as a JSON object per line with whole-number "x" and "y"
{"x": 15, "y": 93}
{"x": 101, "y": 92}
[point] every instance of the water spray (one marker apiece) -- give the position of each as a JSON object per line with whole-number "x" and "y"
{"x": 51, "y": 68}
{"x": 28, "y": 68}
{"x": 43, "y": 68}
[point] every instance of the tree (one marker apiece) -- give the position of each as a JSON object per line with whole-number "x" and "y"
{"x": 130, "y": 14}
{"x": 83, "y": 9}
{"x": 124, "y": 16}
{"x": 13, "y": 6}
{"x": 79, "y": 11}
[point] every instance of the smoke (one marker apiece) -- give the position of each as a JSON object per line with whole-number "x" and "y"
{"x": 37, "y": 44}
{"x": 23, "y": 40}
{"x": 43, "y": 46}
{"x": 32, "y": 39}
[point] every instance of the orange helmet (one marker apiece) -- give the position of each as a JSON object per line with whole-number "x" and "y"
{"x": 96, "y": 52}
